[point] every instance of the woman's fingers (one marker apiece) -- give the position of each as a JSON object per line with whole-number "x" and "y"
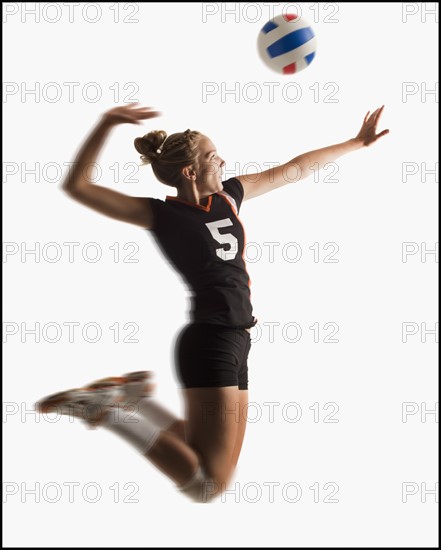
{"x": 368, "y": 118}
{"x": 368, "y": 130}
{"x": 373, "y": 115}
{"x": 131, "y": 114}
{"x": 380, "y": 110}
{"x": 151, "y": 114}
{"x": 145, "y": 112}
{"x": 383, "y": 133}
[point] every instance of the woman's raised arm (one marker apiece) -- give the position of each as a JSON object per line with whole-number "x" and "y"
{"x": 135, "y": 210}
{"x": 306, "y": 164}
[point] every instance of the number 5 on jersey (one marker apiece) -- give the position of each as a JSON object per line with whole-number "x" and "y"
{"x": 223, "y": 238}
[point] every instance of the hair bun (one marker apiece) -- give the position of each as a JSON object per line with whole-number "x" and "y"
{"x": 149, "y": 145}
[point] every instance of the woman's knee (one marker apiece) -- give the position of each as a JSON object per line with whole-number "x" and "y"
{"x": 221, "y": 477}
{"x": 220, "y": 484}
{"x": 208, "y": 481}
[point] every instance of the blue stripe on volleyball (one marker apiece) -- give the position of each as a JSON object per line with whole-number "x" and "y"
{"x": 270, "y": 26}
{"x": 309, "y": 57}
{"x": 290, "y": 42}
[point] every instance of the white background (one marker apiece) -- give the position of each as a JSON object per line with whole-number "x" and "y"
{"x": 369, "y": 52}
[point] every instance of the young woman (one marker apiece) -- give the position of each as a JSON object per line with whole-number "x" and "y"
{"x": 200, "y": 233}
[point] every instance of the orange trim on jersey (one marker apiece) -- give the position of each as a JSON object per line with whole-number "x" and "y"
{"x": 243, "y": 257}
{"x": 229, "y": 202}
{"x": 244, "y": 240}
{"x": 205, "y": 208}
{"x": 244, "y": 243}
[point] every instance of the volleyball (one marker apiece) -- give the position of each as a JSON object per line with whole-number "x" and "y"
{"x": 287, "y": 44}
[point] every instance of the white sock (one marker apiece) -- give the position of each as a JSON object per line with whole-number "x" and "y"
{"x": 141, "y": 432}
{"x": 150, "y": 408}
{"x": 147, "y": 406}
{"x": 200, "y": 487}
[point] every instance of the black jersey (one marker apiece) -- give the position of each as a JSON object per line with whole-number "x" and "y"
{"x": 205, "y": 244}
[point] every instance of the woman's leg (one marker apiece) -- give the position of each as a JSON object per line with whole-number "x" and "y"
{"x": 210, "y": 438}
{"x": 237, "y": 407}
{"x": 178, "y": 428}
{"x": 204, "y": 459}
{"x": 243, "y": 402}
{"x": 213, "y": 424}
{"x": 174, "y": 457}
{"x": 169, "y": 454}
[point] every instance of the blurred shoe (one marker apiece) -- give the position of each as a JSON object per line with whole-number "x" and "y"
{"x": 138, "y": 384}
{"x": 130, "y": 386}
{"x": 91, "y": 405}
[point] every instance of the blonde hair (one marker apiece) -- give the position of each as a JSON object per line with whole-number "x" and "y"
{"x": 169, "y": 154}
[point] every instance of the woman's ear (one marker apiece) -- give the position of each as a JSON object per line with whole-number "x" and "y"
{"x": 189, "y": 173}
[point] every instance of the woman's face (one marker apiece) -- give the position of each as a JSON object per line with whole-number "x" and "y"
{"x": 209, "y": 176}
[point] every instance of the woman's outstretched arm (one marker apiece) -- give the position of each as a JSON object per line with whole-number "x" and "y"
{"x": 306, "y": 164}
{"x": 135, "y": 210}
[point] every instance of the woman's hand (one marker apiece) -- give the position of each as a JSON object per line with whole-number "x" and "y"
{"x": 128, "y": 113}
{"x": 367, "y": 134}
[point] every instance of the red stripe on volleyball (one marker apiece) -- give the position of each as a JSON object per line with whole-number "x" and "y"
{"x": 289, "y": 69}
{"x": 289, "y": 16}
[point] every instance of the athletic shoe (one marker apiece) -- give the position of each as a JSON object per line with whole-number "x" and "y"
{"x": 89, "y": 405}
{"x": 130, "y": 387}
{"x": 138, "y": 384}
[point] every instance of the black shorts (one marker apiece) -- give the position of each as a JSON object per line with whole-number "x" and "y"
{"x": 212, "y": 356}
